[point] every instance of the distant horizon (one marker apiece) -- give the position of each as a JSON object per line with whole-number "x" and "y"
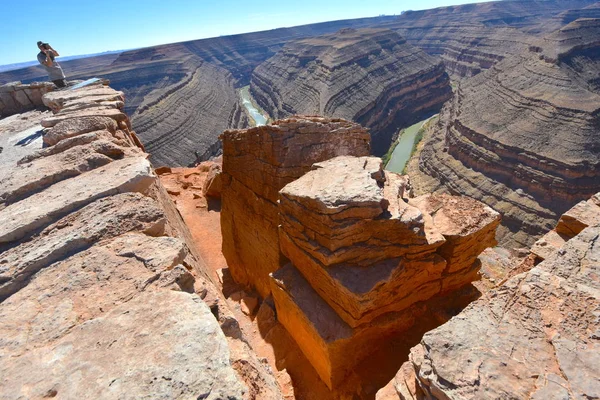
{"x": 135, "y": 24}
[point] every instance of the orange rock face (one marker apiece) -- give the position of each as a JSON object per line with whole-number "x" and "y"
{"x": 366, "y": 263}
{"x": 257, "y": 163}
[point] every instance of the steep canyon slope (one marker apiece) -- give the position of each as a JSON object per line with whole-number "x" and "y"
{"x": 524, "y": 136}
{"x": 371, "y": 76}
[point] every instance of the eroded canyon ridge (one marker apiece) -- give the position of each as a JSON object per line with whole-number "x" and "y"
{"x": 294, "y": 266}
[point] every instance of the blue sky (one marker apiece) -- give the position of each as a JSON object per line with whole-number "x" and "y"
{"x": 84, "y": 27}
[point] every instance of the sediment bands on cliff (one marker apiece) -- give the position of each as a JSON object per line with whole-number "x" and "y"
{"x": 171, "y": 83}
{"x": 371, "y": 76}
{"x": 471, "y": 38}
{"x": 523, "y": 136}
{"x": 186, "y": 120}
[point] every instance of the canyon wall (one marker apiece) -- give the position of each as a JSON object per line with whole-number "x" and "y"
{"x": 523, "y": 136}
{"x": 470, "y": 38}
{"x": 102, "y": 290}
{"x": 189, "y": 116}
{"x": 370, "y": 76}
{"x": 170, "y": 86}
{"x": 535, "y": 336}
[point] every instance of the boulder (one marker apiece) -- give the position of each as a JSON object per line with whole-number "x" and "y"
{"x": 583, "y": 214}
{"x": 367, "y": 264}
{"x": 571, "y": 223}
{"x": 345, "y": 226}
{"x": 213, "y": 183}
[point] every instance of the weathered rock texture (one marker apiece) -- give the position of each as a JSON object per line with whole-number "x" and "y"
{"x": 101, "y": 286}
{"x": 523, "y": 136}
{"x": 364, "y": 261}
{"x": 16, "y": 97}
{"x": 535, "y": 337}
{"x": 371, "y": 76}
{"x": 257, "y": 163}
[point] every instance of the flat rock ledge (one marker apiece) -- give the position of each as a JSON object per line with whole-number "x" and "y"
{"x": 102, "y": 292}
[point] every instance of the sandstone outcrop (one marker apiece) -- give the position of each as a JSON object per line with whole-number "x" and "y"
{"x": 501, "y": 139}
{"x": 102, "y": 290}
{"x": 534, "y": 337}
{"x": 371, "y": 76}
{"x": 366, "y": 263}
{"x": 257, "y": 163}
{"x": 16, "y": 97}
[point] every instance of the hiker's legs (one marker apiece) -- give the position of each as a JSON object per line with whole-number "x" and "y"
{"x": 61, "y": 83}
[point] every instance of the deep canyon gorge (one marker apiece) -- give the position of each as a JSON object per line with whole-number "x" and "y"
{"x": 160, "y": 238}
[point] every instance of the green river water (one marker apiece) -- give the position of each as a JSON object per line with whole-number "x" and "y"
{"x": 401, "y": 153}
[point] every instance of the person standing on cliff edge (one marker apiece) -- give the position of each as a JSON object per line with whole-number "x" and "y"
{"x": 46, "y": 58}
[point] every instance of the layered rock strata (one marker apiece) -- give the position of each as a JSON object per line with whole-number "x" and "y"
{"x": 371, "y": 76}
{"x": 472, "y": 38}
{"x": 102, "y": 290}
{"x": 16, "y": 97}
{"x": 257, "y": 163}
{"x": 535, "y": 337}
{"x": 364, "y": 263}
{"x": 503, "y": 137}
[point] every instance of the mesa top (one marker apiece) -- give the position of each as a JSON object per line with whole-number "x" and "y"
{"x": 55, "y": 72}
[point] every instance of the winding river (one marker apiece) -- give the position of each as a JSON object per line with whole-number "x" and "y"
{"x": 258, "y": 117}
{"x": 401, "y": 153}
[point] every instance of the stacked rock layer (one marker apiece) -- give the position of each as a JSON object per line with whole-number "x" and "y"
{"x": 371, "y": 76}
{"x": 503, "y": 138}
{"x": 257, "y": 163}
{"x": 364, "y": 262}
